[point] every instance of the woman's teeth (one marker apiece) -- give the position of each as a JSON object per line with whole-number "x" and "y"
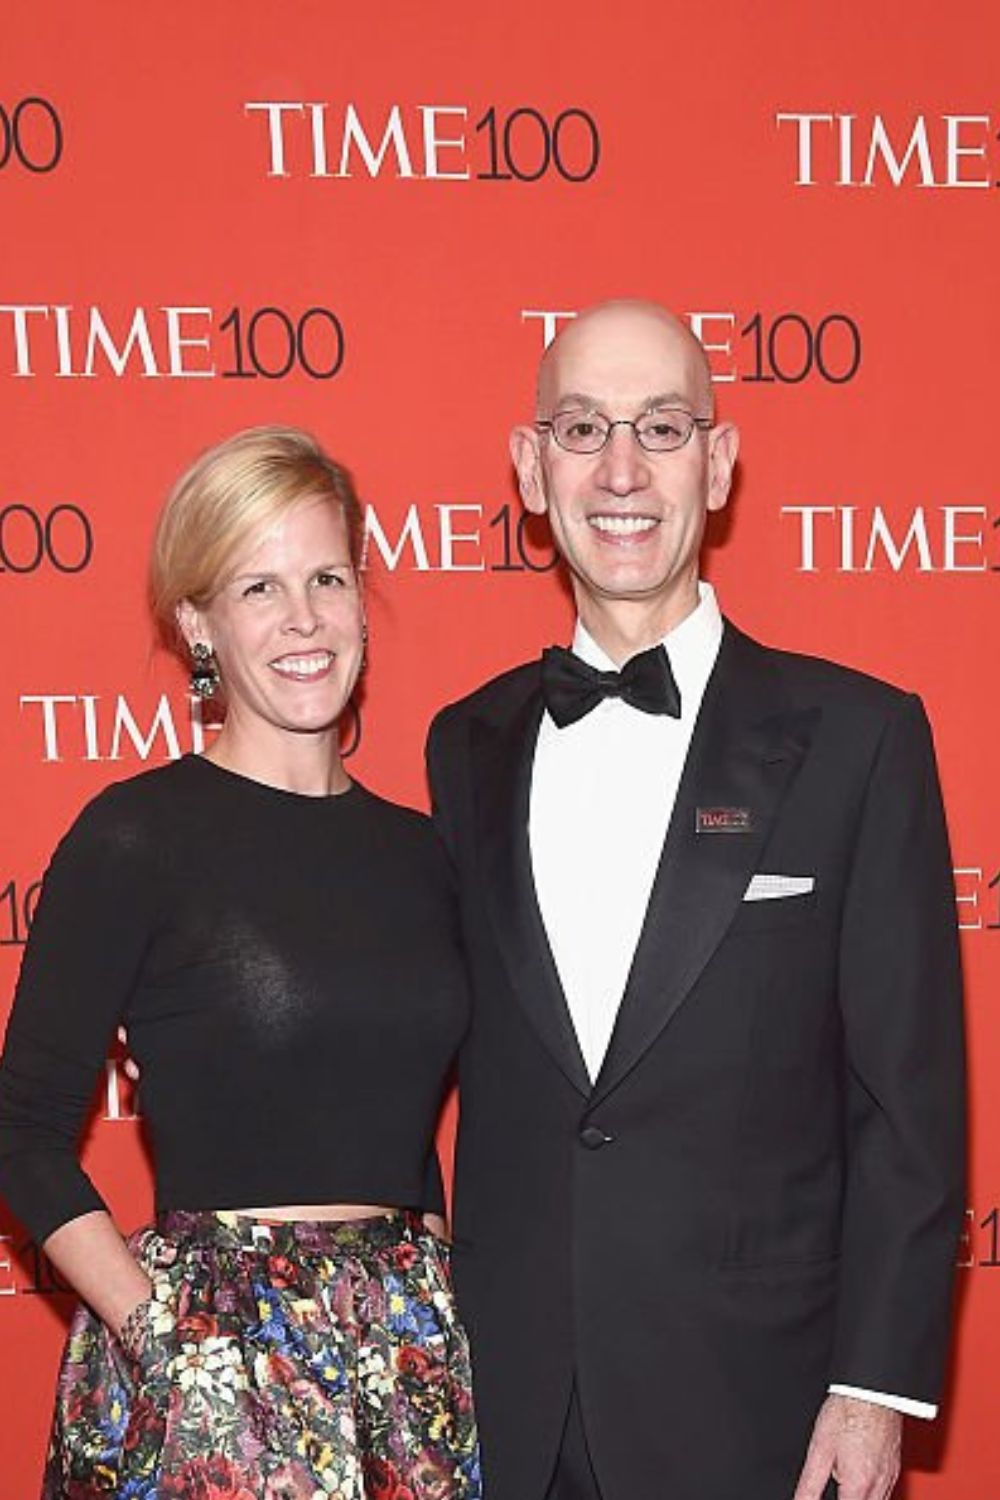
{"x": 303, "y": 666}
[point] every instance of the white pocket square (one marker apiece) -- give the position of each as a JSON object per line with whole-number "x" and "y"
{"x": 774, "y": 887}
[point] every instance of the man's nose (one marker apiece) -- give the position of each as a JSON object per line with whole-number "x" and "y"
{"x": 624, "y": 464}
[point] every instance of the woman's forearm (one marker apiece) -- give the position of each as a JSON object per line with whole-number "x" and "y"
{"x": 92, "y": 1256}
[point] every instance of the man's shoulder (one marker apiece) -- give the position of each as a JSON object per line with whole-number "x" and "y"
{"x": 495, "y": 699}
{"x": 817, "y": 680}
{"x": 804, "y": 672}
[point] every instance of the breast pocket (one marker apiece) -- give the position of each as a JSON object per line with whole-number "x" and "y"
{"x": 774, "y": 913}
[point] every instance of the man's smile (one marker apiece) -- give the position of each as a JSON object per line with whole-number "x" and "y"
{"x": 614, "y": 524}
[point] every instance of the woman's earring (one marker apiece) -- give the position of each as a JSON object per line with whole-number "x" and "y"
{"x": 205, "y": 671}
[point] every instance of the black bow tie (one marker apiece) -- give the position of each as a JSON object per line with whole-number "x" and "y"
{"x": 571, "y": 688}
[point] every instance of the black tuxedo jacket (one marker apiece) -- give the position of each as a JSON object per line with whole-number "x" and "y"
{"x": 762, "y": 1191}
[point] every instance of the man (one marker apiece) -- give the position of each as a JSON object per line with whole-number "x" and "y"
{"x": 709, "y": 1180}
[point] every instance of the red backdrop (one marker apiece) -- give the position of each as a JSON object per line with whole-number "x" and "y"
{"x": 214, "y": 216}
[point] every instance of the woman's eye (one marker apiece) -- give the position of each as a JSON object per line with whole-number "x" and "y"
{"x": 261, "y": 586}
{"x": 329, "y": 580}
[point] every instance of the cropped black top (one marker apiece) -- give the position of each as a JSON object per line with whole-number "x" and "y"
{"x": 289, "y": 972}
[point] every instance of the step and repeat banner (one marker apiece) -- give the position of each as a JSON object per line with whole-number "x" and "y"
{"x": 369, "y": 221}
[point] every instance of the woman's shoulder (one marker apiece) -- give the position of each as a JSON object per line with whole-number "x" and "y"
{"x": 396, "y": 822}
{"x": 128, "y": 815}
{"x": 398, "y": 816}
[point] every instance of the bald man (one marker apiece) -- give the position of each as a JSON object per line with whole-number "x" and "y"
{"x": 709, "y": 1174}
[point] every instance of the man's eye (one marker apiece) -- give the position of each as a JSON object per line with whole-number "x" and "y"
{"x": 661, "y": 428}
{"x": 583, "y": 427}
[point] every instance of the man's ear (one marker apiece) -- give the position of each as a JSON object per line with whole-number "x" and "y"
{"x": 526, "y": 454}
{"x": 191, "y": 624}
{"x": 723, "y": 446}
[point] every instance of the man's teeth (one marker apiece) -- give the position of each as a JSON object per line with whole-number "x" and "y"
{"x": 303, "y": 666}
{"x": 623, "y": 525}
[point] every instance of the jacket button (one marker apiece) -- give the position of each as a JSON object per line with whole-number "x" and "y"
{"x": 594, "y": 1138}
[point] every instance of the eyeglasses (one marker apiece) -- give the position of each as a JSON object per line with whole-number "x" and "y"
{"x": 660, "y": 431}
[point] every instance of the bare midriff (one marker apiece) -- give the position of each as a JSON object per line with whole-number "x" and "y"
{"x": 317, "y": 1211}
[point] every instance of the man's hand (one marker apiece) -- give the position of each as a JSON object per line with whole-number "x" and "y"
{"x": 856, "y": 1443}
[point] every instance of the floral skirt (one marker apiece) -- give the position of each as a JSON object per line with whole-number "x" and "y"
{"x": 299, "y": 1361}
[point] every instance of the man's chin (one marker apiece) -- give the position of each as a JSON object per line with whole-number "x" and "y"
{"x": 627, "y": 588}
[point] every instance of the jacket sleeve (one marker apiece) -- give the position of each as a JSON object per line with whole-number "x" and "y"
{"x": 901, "y": 1004}
{"x": 438, "y": 753}
{"x": 85, "y": 948}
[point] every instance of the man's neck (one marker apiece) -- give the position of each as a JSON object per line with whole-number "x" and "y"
{"x": 624, "y": 627}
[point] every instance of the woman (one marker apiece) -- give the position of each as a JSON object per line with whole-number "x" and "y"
{"x": 280, "y": 943}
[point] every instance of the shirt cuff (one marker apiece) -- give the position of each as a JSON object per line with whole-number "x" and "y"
{"x": 905, "y": 1404}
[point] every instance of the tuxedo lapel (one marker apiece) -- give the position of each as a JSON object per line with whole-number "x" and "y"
{"x": 744, "y": 753}
{"x": 504, "y": 756}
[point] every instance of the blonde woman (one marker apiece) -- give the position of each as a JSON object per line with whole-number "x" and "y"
{"x": 280, "y": 943}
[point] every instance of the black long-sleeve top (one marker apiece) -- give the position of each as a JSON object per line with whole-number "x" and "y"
{"x": 289, "y": 972}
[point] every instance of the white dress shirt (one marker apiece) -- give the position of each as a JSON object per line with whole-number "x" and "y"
{"x": 602, "y": 794}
